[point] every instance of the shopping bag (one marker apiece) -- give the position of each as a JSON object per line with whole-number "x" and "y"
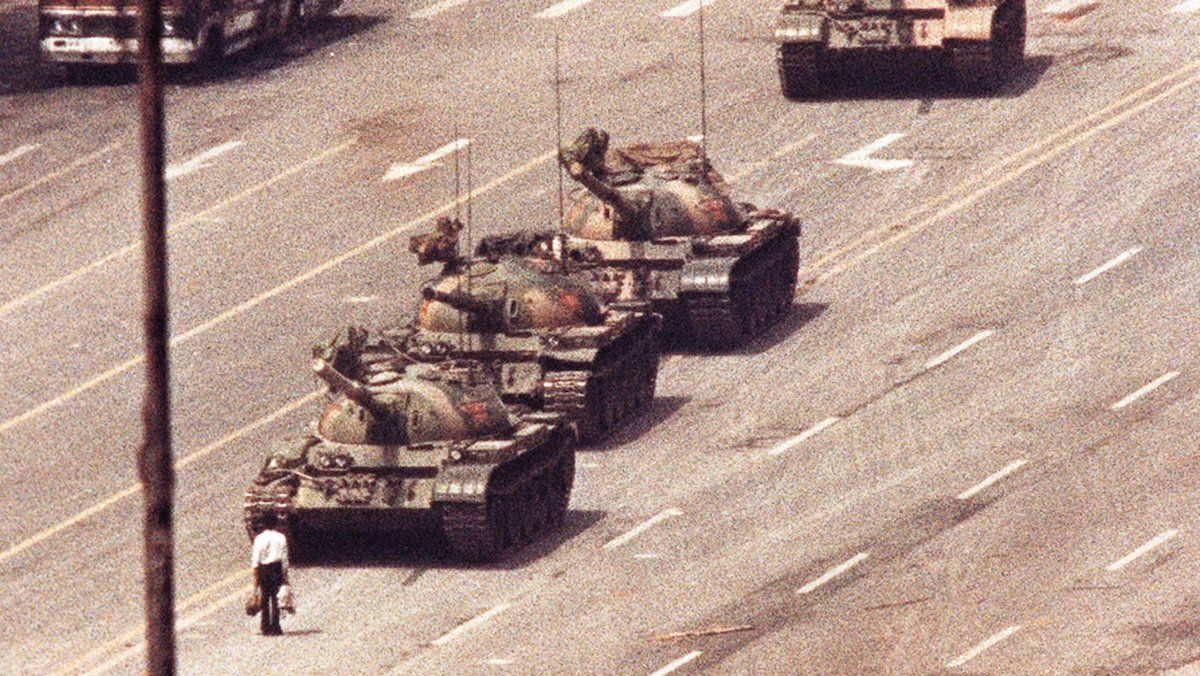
{"x": 254, "y": 602}
{"x": 287, "y": 602}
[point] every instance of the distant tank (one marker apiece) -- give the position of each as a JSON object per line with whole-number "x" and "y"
{"x": 550, "y": 341}
{"x": 659, "y": 225}
{"x": 984, "y": 39}
{"x": 427, "y": 447}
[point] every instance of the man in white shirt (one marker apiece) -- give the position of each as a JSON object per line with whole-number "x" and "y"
{"x": 269, "y": 560}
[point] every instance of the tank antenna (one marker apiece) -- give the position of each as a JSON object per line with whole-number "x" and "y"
{"x": 560, "y": 245}
{"x": 457, "y": 180}
{"x": 703, "y": 89}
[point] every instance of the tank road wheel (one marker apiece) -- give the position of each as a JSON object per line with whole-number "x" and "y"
{"x": 801, "y": 68}
{"x": 983, "y": 67}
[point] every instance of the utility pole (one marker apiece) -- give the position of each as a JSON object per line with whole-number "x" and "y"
{"x": 155, "y": 467}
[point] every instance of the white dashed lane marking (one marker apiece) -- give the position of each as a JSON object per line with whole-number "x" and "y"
{"x": 1145, "y": 389}
{"x": 832, "y": 573}
{"x": 678, "y": 663}
{"x": 201, "y": 161}
{"x": 425, "y": 162}
{"x": 956, "y": 350}
{"x": 988, "y": 643}
{"x": 987, "y": 483}
{"x": 1119, "y": 259}
{"x": 470, "y": 624}
{"x": 861, "y": 158}
{"x": 803, "y": 436}
{"x": 686, "y": 9}
{"x": 18, "y": 153}
{"x": 1067, "y": 10}
{"x": 1186, "y": 7}
{"x": 559, "y": 9}
{"x": 1154, "y": 543}
{"x": 643, "y": 527}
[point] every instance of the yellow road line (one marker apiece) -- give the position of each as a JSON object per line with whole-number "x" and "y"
{"x": 1033, "y": 149}
{"x": 72, "y": 166}
{"x": 30, "y": 296}
{"x": 134, "y": 632}
{"x": 136, "y": 488}
{"x": 254, "y": 302}
{"x": 902, "y": 233}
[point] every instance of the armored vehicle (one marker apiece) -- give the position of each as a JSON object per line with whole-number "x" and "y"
{"x": 983, "y": 39}
{"x": 426, "y": 447}
{"x": 549, "y": 340}
{"x": 660, "y": 226}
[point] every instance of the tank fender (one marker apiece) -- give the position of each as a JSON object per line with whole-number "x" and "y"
{"x": 969, "y": 23}
{"x": 707, "y": 275}
{"x": 463, "y": 483}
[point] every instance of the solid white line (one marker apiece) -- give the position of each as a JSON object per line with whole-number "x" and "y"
{"x": 425, "y": 162}
{"x": 974, "y": 652}
{"x": 643, "y": 527}
{"x": 1146, "y": 389}
{"x": 1121, "y": 258}
{"x": 556, "y": 10}
{"x": 1129, "y": 558}
{"x": 686, "y": 9}
{"x": 470, "y": 624}
{"x": 803, "y": 436}
{"x": 820, "y": 581}
{"x": 862, "y": 159}
{"x": 1186, "y": 7}
{"x": 1070, "y": 7}
{"x": 437, "y": 8}
{"x": 19, "y": 152}
{"x": 200, "y": 161}
{"x": 954, "y": 351}
{"x": 1009, "y": 469}
{"x": 678, "y": 663}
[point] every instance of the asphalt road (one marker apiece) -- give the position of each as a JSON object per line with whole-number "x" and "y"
{"x": 970, "y": 447}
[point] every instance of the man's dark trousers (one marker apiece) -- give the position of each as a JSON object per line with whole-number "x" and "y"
{"x": 270, "y": 577}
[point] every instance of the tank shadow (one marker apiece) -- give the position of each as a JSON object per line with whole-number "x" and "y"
{"x": 422, "y": 550}
{"x": 920, "y": 78}
{"x": 660, "y": 409}
{"x": 791, "y": 321}
{"x": 22, "y": 71}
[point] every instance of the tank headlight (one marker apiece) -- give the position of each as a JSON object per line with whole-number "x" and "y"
{"x": 169, "y": 28}
{"x": 74, "y": 28}
{"x": 57, "y": 27}
{"x": 342, "y": 462}
{"x": 324, "y": 461}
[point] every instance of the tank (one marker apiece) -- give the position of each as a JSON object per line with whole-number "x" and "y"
{"x": 423, "y": 448}
{"x": 983, "y": 39}
{"x": 657, "y": 224}
{"x": 549, "y": 340}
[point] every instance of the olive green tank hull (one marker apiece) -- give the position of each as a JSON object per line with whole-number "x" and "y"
{"x": 481, "y": 510}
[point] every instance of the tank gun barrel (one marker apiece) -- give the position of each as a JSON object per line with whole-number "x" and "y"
{"x": 353, "y": 390}
{"x": 463, "y": 302}
{"x": 603, "y": 191}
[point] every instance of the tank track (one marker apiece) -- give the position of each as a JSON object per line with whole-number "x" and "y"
{"x": 602, "y": 400}
{"x": 528, "y": 498}
{"x": 760, "y": 292}
{"x": 276, "y": 496}
{"x": 801, "y": 68}
{"x": 982, "y": 67}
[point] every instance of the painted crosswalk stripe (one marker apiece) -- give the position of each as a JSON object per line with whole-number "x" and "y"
{"x": 559, "y": 9}
{"x": 1119, "y": 259}
{"x": 425, "y": 162}
{"x": 18, "y": 153}
{"x": 686, "y": 9}
{"x": 437, "y": 8}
